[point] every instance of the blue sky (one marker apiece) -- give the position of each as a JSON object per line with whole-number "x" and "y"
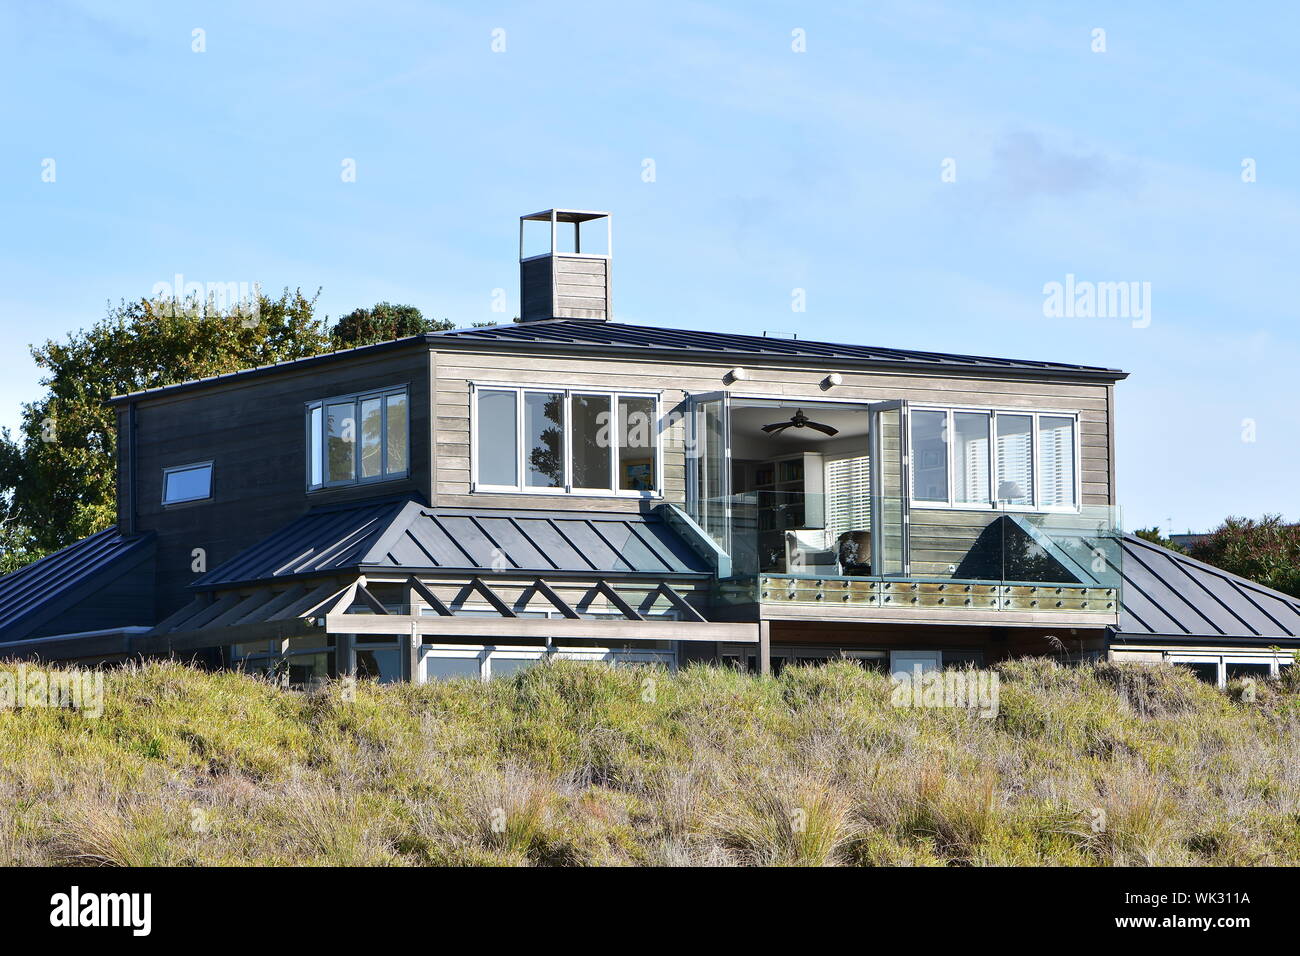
{"x": 773, "y": 170}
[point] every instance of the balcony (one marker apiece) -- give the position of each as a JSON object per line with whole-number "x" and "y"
{"x": 798, "y": 555}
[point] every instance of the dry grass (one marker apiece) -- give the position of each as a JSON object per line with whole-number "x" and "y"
{"x": 570, "y": 764}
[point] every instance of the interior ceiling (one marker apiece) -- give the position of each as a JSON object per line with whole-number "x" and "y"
{"x": 852, "y": 421}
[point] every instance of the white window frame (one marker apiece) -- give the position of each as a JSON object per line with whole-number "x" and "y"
{"x": 356, "y": 399}
{"x": 192, "y": 466}
{"x": 1273, "y": 659}
{"x": 994, "y": 505}
{"x": 566, "y": 488}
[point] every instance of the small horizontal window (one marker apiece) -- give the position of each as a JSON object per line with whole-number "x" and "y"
{"x": 187, "y": 483}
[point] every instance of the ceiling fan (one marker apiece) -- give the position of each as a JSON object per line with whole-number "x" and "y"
{"x": 799, "y": 420}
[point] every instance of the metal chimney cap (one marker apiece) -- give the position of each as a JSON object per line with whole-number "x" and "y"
{"x": 565, "y": 215}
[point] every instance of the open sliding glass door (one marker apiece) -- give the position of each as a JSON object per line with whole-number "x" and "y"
{"x": 890, "y": 489}
{"x": 709, "y": 466}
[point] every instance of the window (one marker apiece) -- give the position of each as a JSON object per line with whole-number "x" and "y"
{"x": 930, "y": 456}
{"x": 638, "y": 460}
{"x": 187, "y": 483}
{"x": 358, "y": 438}
{"x": 1015, "y": 459}
{"x": 968, "y": 458}
{"x": 583, "y": 441}
{"x": 848, "y": 494}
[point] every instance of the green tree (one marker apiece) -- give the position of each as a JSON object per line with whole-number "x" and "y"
{"x": 1153, "y": 535}
{"x": 58, "y": 475}
{"x": 1267, "y": 551}
{"x": 383, "y": 322}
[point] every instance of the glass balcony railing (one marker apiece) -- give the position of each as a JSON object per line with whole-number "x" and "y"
{"x": 846, "y": 549}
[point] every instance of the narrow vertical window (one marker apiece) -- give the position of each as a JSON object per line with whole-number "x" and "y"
{"x": 970, "y": 458}
{"x": 1056, "y": 461}
{"x": 930, "y": 456}
{"x": 594, "y": 432}
{"x": 314, "y": 446}
{"x": 341, "y": 440}
{"x": 498, "y": 438}
{"x": 637, "y": 467}
{"x": 544, "y": 439}
{"x": 398, "y": 430}
{"x": 1015, "y": 459}
{"x": 372, "y": 435}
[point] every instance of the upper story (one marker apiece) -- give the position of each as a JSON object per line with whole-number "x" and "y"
{"x": 795, "y": 458}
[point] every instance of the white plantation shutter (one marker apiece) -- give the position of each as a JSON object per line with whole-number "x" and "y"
{"x": 848, "y": 495}
{"x": 971, "y": 457}
{"x": 1015, "y": 452}
{"x": 976, "y": 483}
{"x": 1056, "y": 461}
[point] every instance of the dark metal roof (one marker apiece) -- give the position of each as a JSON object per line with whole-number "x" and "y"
{"x": 1168, "y": 594}
{"x": 406, "y": 535}
{"x": 308, "y": 361}
{"x": 46, "y": 589}
{"x": 606, "y": 336}
{"x": 577, "y": 335}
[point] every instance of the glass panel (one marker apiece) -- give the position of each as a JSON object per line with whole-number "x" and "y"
{"x": 397, "y": 432}
{"x": 372, "y": 429}
{"x": 971, "y": 458}
{"x": 309, "y": 668}
{"x": 1237, "y": 669}
{"x": 889, "y": 507}
{"x": 188, "y": 484}
{"x": 930, "y": 456}
{"x": 1055, "y": 461}
{"x": 1015, "y": 459}
{"x": 636, "y": 444}
{"x": 508, "y": 666}
{"x": 498, "y": 438}
{"x": 450, "y": 668}
{"x": 1207, "y": 671}
{"x": 378, "y": 663}
{"x": 593, "y": 427}
{"x": 314, "y": 452}
{"x": 341, "y": 439}
{"x": 709, "y": 432}
{"x": 544, "y": 439}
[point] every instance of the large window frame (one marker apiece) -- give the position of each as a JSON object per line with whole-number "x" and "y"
{"x": 993, "y": 504}
{"x": 567, "y": 486}
{"x": 317, "y": 434}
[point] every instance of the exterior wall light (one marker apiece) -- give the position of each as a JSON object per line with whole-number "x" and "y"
{"x": 736, "y": 375}
{"x": 831, "y": 380}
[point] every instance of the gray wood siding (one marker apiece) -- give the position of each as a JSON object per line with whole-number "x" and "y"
{"x": 254, "y": 432}
{"x": 572, "y": 287}
{"x": 457, "y": 368}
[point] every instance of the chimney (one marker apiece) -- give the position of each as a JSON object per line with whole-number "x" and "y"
{"x": 568, "y": 284}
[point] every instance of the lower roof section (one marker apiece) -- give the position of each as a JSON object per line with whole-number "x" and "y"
{"x": 405, "y": 535}
{"x": 99, "y": 582}
{"x": 1169, "y": 595}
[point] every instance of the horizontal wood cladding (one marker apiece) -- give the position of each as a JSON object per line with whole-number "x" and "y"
{"x": 254, "y": 432}
{"x": 674, "y": 380}
{"x": 562, "y": 286}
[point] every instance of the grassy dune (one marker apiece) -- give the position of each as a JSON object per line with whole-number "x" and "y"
{"x": 585, "y": 764}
